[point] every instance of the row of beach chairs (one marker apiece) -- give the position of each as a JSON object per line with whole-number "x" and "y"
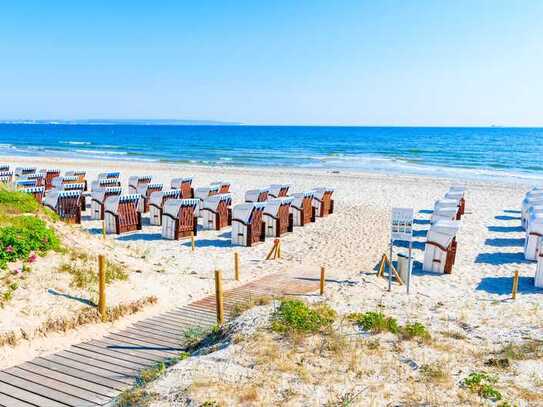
{"x": 266, "y": 212}
{"x": 441, "y": 244}
{"x": 532, "y": 223}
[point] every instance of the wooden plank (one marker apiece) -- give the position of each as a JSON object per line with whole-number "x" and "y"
{"x": 167, "y": 350}
{"x": 28, "y": 397}
{"x": 156, "y": 326}
{"x": 8, "y": 401}
{"x": 114, "y": 353}
{"x": 66, "y": 378}
{"x": 157, "y": 331}
{"x": 112, "y": 346}
{"x": 183, "y": 322}
{"x": 50, "y": 393}
{"x": 67, "y": 387}
{"x": 195, "y": 313}
{"x": 125, "y": 373}
{"x": 80, "y": 373}
{"x": 116, "y": 343}
{"x": 146, "y": 334}
{"x": 155, "y": 341}
{"x": 103, "y": 358}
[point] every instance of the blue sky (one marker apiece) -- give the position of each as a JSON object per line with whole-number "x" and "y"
{"x": 404, "y": 62}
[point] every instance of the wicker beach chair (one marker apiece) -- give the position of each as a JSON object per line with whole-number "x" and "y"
{"x": 81, "y": 176}
{"x": 25, "y": 183}
{"x": 184, "y": 185}
{"x": 257, "y": 195}
{"x": 37, "y": 192}
{"x": 4, "y": 167}
{"x": 248, "y": 227}
{"x": 145, "y": 190}
{"x": 457, "y": 194}
{"x": 67, "y": 204}
{"x": 109, "y": 175}
{"x": 57, "y": 182}
{"x": 302, "y": 208}
{"x": 538, "y": 278}
{"x": 216, "y": 213}
{"x": 5, "y": 179}
{"x": 24, "y": 171}
{"x": 180, "y": 218}
{"x": 202, "y": 193}
{"x": 532, "y": 198}
{"x": 105, "y": 183}
{"x": 121, "y": 214}
{"x": 98, "y": 199}
{"x": 39, "y": 178}
{"x": 156, "y": 204}
{"x": 134, "y": 183}
{"x": 224, "y": 187}
{"x": 7, "y": 175}
{"x": 49, "y": 175}
{"x": 323, "y": 202}
{"x": 277, "y": 216}
{"x": 534, "y": 236}
{"x": 440, "y": 248}
{"x": 445, "y": 209}
{"x": 278, "y": 190}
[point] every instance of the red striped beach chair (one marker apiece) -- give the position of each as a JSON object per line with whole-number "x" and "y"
{"x": 302, "y": 208}
{"x": 257, "y": 195}
{"x": 278, "y": 190}
{"x": 37, "y": 192}
{"x": 184, "y": 185}
{"x": 136, "y": 182}
{"x": 323, "y": 202}
{"x": 121, "y": 214}
{"x": 49, "y": 175}
{"x": 67, "y": 204}
{"x": 277, "y": 216}
{"x": 156, "y": 204}
{"x": 180, "y": 218}
{"x": 216, "y": 213}
{"x": 440, "y": 248}
{"x": 145, "y": 191}
{"x": 98, "y": 199}
{"x": 248, "y": 227}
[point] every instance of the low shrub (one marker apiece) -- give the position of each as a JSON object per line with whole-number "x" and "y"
{"x": 13, "y": 202}
{"x": 24, "y": 235}
{"x": 298, "y": 317}
{"x": 482, "y": 384}
{"x": 415, "y": 330}
{"x": 375, "y": 322}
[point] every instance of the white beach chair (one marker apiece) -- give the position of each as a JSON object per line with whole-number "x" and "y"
{"x": 185, "y": 185}
{"x": 302, "y": 208}
{"x": 180, "y": 218}
{"x": 457, "y": 196}
{"x": 37, "y": 192}
{"x": 57, "y": 182}
{"x": 156, "y": 204}
{"x": 121, "y": 213}
{"x": 4, "y": 167}
{"x": 26, "y": 183}
{"x": 538, "y": 278}
{"x": 105, "y": 183}
{"x": 145, "y": 190}
{"x": 532, "y": 198}
{"x": 76, "y": 186}
{"x": 7, "y": 175}
{"x": 98, "y": 199}
{"x": 134, "y": 183}
{"x": 440, "y": 248}
{"x": 67, "y": 204}
{"x": 109, "y": 175}
{"x": 49, "y": 174}
{"x": 248, "y": 227}
{"x": 323, "y": 202}
{"x": 80, "y": 175}
{"x": 278, "y": 190}
{"x": 24, "y": 171}
{"x": 216, "y": 213}
{"x": 257, "y": 195}
{"x": 534, "y": 234}
{"x": 202, "y": 193}
{"x": 277, "y": 216}
{"x": 224, "y": 187}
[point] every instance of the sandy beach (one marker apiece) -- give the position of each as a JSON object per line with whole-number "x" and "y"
{"x": 349, "y": 243}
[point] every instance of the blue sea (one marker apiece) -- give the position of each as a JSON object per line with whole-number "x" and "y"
{"x": 513, "y": 153}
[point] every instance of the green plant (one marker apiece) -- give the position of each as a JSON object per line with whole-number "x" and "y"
{"x": 531, "y": 349}
{"x": 415, "y": 330}
{"x": 375, "y": 322}
{"x": 482, "y": 384}
{"x": 13, "y": 202}
{"x": 435, "y": 372}
{"x": 297, "y": 316}
{"x": 84, "y": 274}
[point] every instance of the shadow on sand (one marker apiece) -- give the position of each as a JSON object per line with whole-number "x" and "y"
{"x": 71, "y": 297}
{"x": 503, "y": 285}
{"x": 505, "y": 229}
{"x": 209, "y": 243}
{"x": 504, "y": 242}
{"x": 148, "y": 237}
{"x": 501, "y": 258}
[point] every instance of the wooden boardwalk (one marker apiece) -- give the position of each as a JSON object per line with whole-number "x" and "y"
{"x": 93, "y": 373}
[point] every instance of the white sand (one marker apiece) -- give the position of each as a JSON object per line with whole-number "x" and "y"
{"x": 349, "y": 243}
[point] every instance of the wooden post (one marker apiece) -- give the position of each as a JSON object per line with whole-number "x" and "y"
{"x": 515, "y": 285}
{"x": 192, "y": 242}
{"x": 102, "y": 286}
{"x": 322, "y": 280}
{"x": 236, "y": 266}
{"x": 219, "y": 297}
{"x": 104, "y": 229}
{"x": 278, "y": 248}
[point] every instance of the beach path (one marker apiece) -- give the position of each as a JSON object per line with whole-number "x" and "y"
{"x": 95, "y": 372}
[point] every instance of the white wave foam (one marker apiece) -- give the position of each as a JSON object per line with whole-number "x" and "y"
{"x": 76, "y": 143}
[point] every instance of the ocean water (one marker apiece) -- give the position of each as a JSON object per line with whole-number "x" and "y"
{"x": 515, "y": 153}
